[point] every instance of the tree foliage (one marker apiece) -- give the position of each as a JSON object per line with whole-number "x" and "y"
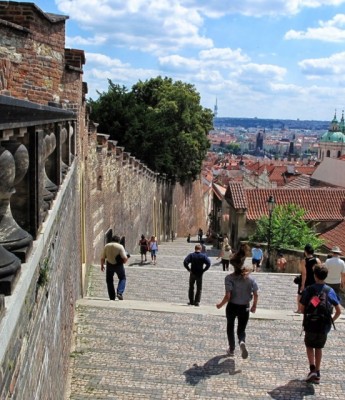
{"x": 160, "y": 122}
{"x": 288, "y": 229}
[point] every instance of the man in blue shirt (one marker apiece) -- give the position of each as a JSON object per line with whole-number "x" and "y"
{"x": 194, "y": 263}
{"x": 257, "y": 256}
{"x": 316, "y": 335}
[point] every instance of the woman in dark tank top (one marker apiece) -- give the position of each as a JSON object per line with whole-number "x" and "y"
{"x": 308, "y": 270}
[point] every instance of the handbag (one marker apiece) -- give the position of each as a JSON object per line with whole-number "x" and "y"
{"x": 298, "y": 279}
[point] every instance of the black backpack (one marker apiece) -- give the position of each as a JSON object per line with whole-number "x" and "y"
{"x": 318, "y": 312}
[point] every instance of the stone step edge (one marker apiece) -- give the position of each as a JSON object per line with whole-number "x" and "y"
{"x": 261, "y": 313}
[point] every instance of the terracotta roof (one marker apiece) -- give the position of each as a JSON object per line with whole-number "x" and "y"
{"x": 320, "y": 204}
{"x": 219, "y": 191}
{"x": 235, "y": 194}
{"x": 299, "y": 182}
{"x": 335, "y": 237}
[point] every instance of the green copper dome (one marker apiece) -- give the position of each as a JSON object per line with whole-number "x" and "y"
{"x": 333, "y": 137}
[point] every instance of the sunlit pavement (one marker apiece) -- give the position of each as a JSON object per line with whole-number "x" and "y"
{"x": 153, "y": 345}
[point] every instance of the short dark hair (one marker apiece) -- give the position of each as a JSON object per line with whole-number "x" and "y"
{"x": 116, "y": 239}
{"x": 308, "y": 248}
{"x": 321, "y": 272}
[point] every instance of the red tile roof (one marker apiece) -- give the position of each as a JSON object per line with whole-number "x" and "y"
{"x": 335, "y": 237}
{"x": 320, "y": 204}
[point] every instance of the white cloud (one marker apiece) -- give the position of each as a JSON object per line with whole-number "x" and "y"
{"x": 255, "y": 8}
{"x": 333, "y": 66}
{"x": 328, "y": 31}
{"x": 154, "y": 26}
{"x": 82, "y": 41}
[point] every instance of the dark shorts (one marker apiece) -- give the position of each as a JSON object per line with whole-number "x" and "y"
{"x": 256, "y": 262}
{"x": 315, "y": 340}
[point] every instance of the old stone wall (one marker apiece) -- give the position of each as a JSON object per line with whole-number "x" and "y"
{"x": 41, "y": 310}
{"x": 33, "y": 46}
{"x": 97, "y": 187}
{"x": 123, "y": 195}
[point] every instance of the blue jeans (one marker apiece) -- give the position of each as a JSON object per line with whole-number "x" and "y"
{"x": 242, "y": 314}
{"x": 119, "y": 270}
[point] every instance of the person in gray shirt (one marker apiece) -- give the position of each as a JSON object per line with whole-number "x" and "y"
{"x": 240, "y": 288}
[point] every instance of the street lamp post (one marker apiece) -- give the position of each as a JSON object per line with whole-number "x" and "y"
{"x": 270, "y": 206}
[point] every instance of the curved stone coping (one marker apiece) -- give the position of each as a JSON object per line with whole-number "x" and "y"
{"x": 261, "y": 313}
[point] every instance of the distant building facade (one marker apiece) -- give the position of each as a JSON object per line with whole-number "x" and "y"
{"x": 332, "y": 142}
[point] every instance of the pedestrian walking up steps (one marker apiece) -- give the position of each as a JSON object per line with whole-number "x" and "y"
{"x": 152, "y": 345}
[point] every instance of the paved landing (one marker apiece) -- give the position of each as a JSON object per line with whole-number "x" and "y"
{"x": 153, "y": 346}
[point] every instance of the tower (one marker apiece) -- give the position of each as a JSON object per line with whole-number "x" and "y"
{"x": 215, "y": 110}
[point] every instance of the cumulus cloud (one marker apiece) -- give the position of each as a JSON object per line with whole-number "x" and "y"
{"x": 328, "y": 31}
{"x": 333, "y": 66}
{"x": 154, "y": 26}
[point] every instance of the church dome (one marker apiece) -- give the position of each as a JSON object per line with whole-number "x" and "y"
{"x": 333, "y": 137}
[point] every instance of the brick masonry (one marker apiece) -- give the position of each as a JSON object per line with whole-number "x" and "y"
{"x": 105, "y": 188}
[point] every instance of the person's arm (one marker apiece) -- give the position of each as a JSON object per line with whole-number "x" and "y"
{"x": 123, "y": 255}
{"x": 225, "y": 300}
{"x": 186, "y": 262}
{"x": 342, "y": 282}
{"x": 303, "y": 273}
{"x": 255, "y": 302}
{"x": 208, "y": 264}
{"x": 102, "y": 263}
{"x": 337, "y": 312}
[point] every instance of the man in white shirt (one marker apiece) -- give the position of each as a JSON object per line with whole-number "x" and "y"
{"x": 336, "y": 270}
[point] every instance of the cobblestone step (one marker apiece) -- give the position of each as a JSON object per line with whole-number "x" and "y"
{"x": 153, "y": 346}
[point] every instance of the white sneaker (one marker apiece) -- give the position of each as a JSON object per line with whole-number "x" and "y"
{"x": 244, "y": 351}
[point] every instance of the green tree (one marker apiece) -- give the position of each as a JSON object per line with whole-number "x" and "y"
{"x": 234, "y": 148}
{"x": 288, "y": 229}
{"x": 160, "y": 122}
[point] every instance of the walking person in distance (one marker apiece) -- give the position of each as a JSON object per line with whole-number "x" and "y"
{"x": 196, "y": 263}
{"x": 143, "y": 246}
{"x": 336, "y": 271}
{"x": 115, "y": 256}
{"x": 153, "y": 247}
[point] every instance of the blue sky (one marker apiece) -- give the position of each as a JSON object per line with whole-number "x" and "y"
{"x": 258, "y": 58}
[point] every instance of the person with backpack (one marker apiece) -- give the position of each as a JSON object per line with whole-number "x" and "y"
{"x": 317, "y": 303}
{"x": 307, "y": 267}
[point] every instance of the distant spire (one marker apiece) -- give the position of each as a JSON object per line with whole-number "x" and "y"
{"x": 334, "y": 124}
{"x": 342, "y": 123}
{"x": 215, "y": 112}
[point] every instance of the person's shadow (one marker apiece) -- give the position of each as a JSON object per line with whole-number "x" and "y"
{"x": 214, "y": 366}
{"x": 295, "y": 389}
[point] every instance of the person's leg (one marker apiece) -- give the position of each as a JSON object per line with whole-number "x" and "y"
{"x": 227, "y": 262}
{"x": 253, "y": 265}
{"x": 110, "y": 281}
{"x": 198, "y": 290}
{"x": 230, "y": 325}
{"x": 223, "y": 264}
{"x": 243, "y": 317}
{"x": 121, "y": 274}
{"x": 318, "y": 358}
{"x": 311, "y": 356}
{"x": 191, "y": 288}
